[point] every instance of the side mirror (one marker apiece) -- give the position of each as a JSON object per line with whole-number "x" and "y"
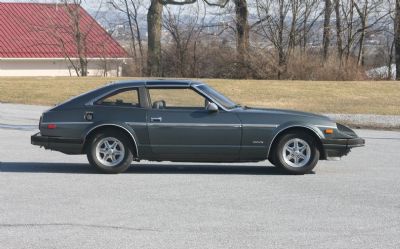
{"x": 212, "y": 107}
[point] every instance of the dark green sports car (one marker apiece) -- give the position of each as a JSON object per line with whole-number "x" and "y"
{"x": 187, "y": 121}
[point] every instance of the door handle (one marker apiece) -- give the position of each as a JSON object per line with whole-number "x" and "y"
{"x": 158, "y": 119}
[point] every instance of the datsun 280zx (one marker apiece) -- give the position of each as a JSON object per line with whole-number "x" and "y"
{"x": 187, "y": 121}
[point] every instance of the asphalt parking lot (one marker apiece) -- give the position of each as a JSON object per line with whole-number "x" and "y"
{"x": 51, "y": 200}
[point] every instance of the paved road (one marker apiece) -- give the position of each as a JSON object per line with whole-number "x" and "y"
{"x": 50, "y": 200}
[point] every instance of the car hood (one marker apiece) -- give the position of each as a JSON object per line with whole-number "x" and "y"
{"x": 283, "y": 112}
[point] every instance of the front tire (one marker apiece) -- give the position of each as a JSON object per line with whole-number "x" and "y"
{"x": 296, "y": 153}
{"x": 110, "y": 152}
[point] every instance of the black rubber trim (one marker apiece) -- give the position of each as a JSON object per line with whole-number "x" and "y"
{"x": 40, "y": 140}
{"x": 341, "y": 147}
{"x": 348, "y": 142}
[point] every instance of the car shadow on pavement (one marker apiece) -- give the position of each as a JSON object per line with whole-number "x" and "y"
{"x": 81, "y": 168}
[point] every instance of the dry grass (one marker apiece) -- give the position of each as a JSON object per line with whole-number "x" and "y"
{"x": 370, "y": 97}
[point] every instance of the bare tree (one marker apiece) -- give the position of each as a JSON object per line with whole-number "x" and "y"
{"x": 272, "y": 30}
{"x": 286, "y": 25}
{"x": 76, "y": 31}
{"x": 283, "y": 27}
{"x": 355, "y": 21}
{"x": 154, "y": 27}
{"x": 348, "y": 11}
{"x": 73, "y": 9}
{"x": 132, "y": 8}
{"x": 310, "y": 13}
{"x": 345, "y": 24}
{"x": 184, "y": 30}
{"x": 79, "y": 31}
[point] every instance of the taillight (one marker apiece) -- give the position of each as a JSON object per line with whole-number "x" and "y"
{"x": 51, "y": 126}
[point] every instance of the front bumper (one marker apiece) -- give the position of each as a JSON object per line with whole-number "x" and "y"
{"x": 340, "y": 147}
{"x": 62, "y": 144}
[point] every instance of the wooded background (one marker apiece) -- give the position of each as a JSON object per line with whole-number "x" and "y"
{"x": 259, "y": 39}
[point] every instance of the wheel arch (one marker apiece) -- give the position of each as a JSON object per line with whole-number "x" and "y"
{"x": 92, "y": 131}
{"x": 305, "y": 129}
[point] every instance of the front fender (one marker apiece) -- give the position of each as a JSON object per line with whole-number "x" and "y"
{"x": 289, "y": 125}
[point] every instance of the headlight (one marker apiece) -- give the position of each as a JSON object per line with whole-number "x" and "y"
{"x": 346, "y": 130}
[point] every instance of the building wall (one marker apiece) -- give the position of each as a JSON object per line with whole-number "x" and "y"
{"x": 57, "y": 67}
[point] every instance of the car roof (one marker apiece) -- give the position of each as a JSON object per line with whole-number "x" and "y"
{"x": 103, "y": 90}
{"x": 155, "y": 83}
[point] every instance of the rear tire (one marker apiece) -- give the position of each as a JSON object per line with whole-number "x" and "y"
{"x": 110, "y": 152}
{"x": 296, "y": 153}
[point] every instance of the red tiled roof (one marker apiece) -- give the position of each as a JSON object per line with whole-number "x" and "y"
{"x": 34, "y": 30}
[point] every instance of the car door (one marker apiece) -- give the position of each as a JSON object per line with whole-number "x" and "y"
{"x": 180, "y": 128}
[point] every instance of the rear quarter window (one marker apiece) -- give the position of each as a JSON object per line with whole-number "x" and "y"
{"x": 128, "y": 98}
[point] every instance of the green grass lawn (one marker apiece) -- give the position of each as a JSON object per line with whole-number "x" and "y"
{"x": 365, "y": 97}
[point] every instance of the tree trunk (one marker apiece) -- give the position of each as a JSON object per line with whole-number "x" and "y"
{"x": 397, "y": 38}
{"x": 80, "y": 40}
{"x": 339, "y": 30}
{"x": 154, "y": 26}
{"x": 194, "y": 63}
{"x": 327, "y": 28}
{"x": 292, "y": 32}
{"x": 362, "y": 13}
{"x": 305, "y": 29}
{"x": 83, "y": 65}
{"x": 139, "y": 38}
{"x": 360, "y": 57}
{"x": 81, "y": 49}
{"x": 242, "y": 33}
{"x": 390, "y": 60}
{"x": 389, "y": 63}
{"x": 350, "y": 30}
{"x": 281, "y": 53}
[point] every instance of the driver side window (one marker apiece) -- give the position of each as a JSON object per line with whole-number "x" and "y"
{"x": 176, "y": 98}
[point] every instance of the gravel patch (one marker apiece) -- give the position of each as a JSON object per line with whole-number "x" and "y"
{"x": 368, "y": 120}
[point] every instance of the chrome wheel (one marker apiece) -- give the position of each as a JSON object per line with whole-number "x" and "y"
{"x": 110, "y": 151}
{"x": 296, "y": 153}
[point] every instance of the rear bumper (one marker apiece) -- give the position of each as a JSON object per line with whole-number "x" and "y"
{"x": 341, "y": 147}
{"x": 62, "y": 144}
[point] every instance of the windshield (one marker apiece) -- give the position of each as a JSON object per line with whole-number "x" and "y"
{"x": 219, "y": 98}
